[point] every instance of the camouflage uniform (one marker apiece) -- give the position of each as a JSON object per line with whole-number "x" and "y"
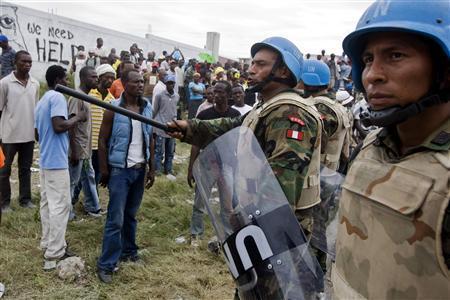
{"x": 351, "y": 135}
{"x": 337, "y": 129}
{"x": 393, "y": 239}
{"x": 288, "y": 129}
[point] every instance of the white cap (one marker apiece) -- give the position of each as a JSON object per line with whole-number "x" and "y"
{"x": 343, "y": 97}
{"x": 105, "y": 68}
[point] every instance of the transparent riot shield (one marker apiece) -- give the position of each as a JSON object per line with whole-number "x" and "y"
{"x": 263, "y": 244}
{"x": 326, "y": 213}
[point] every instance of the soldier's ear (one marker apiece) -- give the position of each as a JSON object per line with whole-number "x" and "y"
{"x": 283, "y": 72}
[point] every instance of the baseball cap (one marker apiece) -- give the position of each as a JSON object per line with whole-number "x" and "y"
{"x": 169, "y": 78}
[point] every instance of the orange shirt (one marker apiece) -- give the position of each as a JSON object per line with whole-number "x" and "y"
{"x": 116, "y": 88}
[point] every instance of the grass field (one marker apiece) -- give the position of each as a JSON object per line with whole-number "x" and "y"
{"x": 169, "y": 270}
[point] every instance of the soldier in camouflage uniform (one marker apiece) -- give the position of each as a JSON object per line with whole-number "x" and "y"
{"x": 315, "y": 78}
{"x": 394, "y": 222}
{"x": 287, "y": 126}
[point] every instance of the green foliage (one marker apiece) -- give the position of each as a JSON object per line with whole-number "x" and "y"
{"x": 168, "y": 271}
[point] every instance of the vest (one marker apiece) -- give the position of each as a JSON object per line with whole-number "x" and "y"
{"x": 121, "y": 134}
{"x": 332, "y": 153}
{"x": 310, "y": 195}
{"x": 390, "y": 223}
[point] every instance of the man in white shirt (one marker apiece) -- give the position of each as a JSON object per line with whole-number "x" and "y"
{"x": 147, "y": 64}
{"x": 179, "y": 74}
{"x": 19, "y": 93}
{"x": 160, "y": 86}
{"x": 238, "y": 97}
{"x": 100, "y": 51}
{"x": 165, "y": 63}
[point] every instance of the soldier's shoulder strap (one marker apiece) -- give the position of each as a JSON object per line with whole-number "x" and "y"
{"x": 331, "y": 104}
{"x": 371, "y": 138}
{"x": 290, "y": 97}
{"x": 324, "y": 99}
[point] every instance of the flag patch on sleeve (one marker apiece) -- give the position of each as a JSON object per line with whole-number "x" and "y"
{"x": 294, "y": 134}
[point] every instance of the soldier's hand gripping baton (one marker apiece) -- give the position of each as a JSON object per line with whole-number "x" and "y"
{"x": 117, "y": 109}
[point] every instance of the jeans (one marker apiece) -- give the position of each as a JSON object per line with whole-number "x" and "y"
{"x": 83, "y": 173}
{"x": 96, "y": 166}
{"x": 25, "y": 159}
{"x": 126, "y": 187}
{"x": 227, "y": 199}
{"x": 198, "y": 209}
{"x": 164, "y": 146}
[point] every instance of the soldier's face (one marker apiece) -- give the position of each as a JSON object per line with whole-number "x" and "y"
{"x": 397, "y": 69}
{"x": 261, "y": 66}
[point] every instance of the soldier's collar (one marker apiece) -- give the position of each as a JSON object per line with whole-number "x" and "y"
{"x": 388, "y": 138}
{"x": 288, "y": 90}
{"x": 439, "y": 140}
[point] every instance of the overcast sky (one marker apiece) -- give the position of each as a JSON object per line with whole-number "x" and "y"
{"x": 311, "y": 25}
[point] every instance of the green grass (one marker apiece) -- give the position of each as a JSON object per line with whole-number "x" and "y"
{"x": 169, "y": 270}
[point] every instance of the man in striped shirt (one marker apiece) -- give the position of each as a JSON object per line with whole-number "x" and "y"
{"x": 106, "y": 76}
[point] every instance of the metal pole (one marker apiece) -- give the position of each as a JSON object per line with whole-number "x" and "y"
{"x": 120, "y": 110}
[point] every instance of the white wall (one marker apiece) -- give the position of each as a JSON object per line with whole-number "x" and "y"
{"x": 52, "y": 39}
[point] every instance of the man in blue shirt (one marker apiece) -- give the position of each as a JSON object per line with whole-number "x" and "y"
{"x": 125, "y": 147}
{"x": 52, "y": 123}
{"x": 196, "y": 91}
{"x": 7, "y": 57}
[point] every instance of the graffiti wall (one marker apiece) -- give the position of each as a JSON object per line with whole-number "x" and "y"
{"x": 52, "y": 39}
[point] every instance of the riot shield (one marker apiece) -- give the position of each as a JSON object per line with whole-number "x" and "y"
{"x": 326, "y": 213}
{"x": 263, "y": 244}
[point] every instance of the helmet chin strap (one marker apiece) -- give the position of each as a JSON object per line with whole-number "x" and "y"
{"x": 397, "y": 114}
{"x": 260, "y": 85}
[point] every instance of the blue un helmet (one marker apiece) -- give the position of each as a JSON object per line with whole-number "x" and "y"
{"x": 290, "y": 55}
{"x": 315, "y": 73}
{"x": 427, "y": 19}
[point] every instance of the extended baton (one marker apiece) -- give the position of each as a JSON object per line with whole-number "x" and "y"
{"x": 131, "y": 114}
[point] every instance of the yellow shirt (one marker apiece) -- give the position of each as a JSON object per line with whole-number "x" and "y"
{"x": 97, "y": 115}
{"x": 116, "y": 64}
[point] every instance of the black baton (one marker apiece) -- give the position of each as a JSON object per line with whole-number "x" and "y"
{"x": 76, "y": 94}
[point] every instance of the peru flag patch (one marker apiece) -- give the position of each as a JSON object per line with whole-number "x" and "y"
{"x": 294, "y": 134}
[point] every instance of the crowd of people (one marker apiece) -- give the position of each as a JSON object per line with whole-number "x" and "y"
{"x": 305, "y": 111}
